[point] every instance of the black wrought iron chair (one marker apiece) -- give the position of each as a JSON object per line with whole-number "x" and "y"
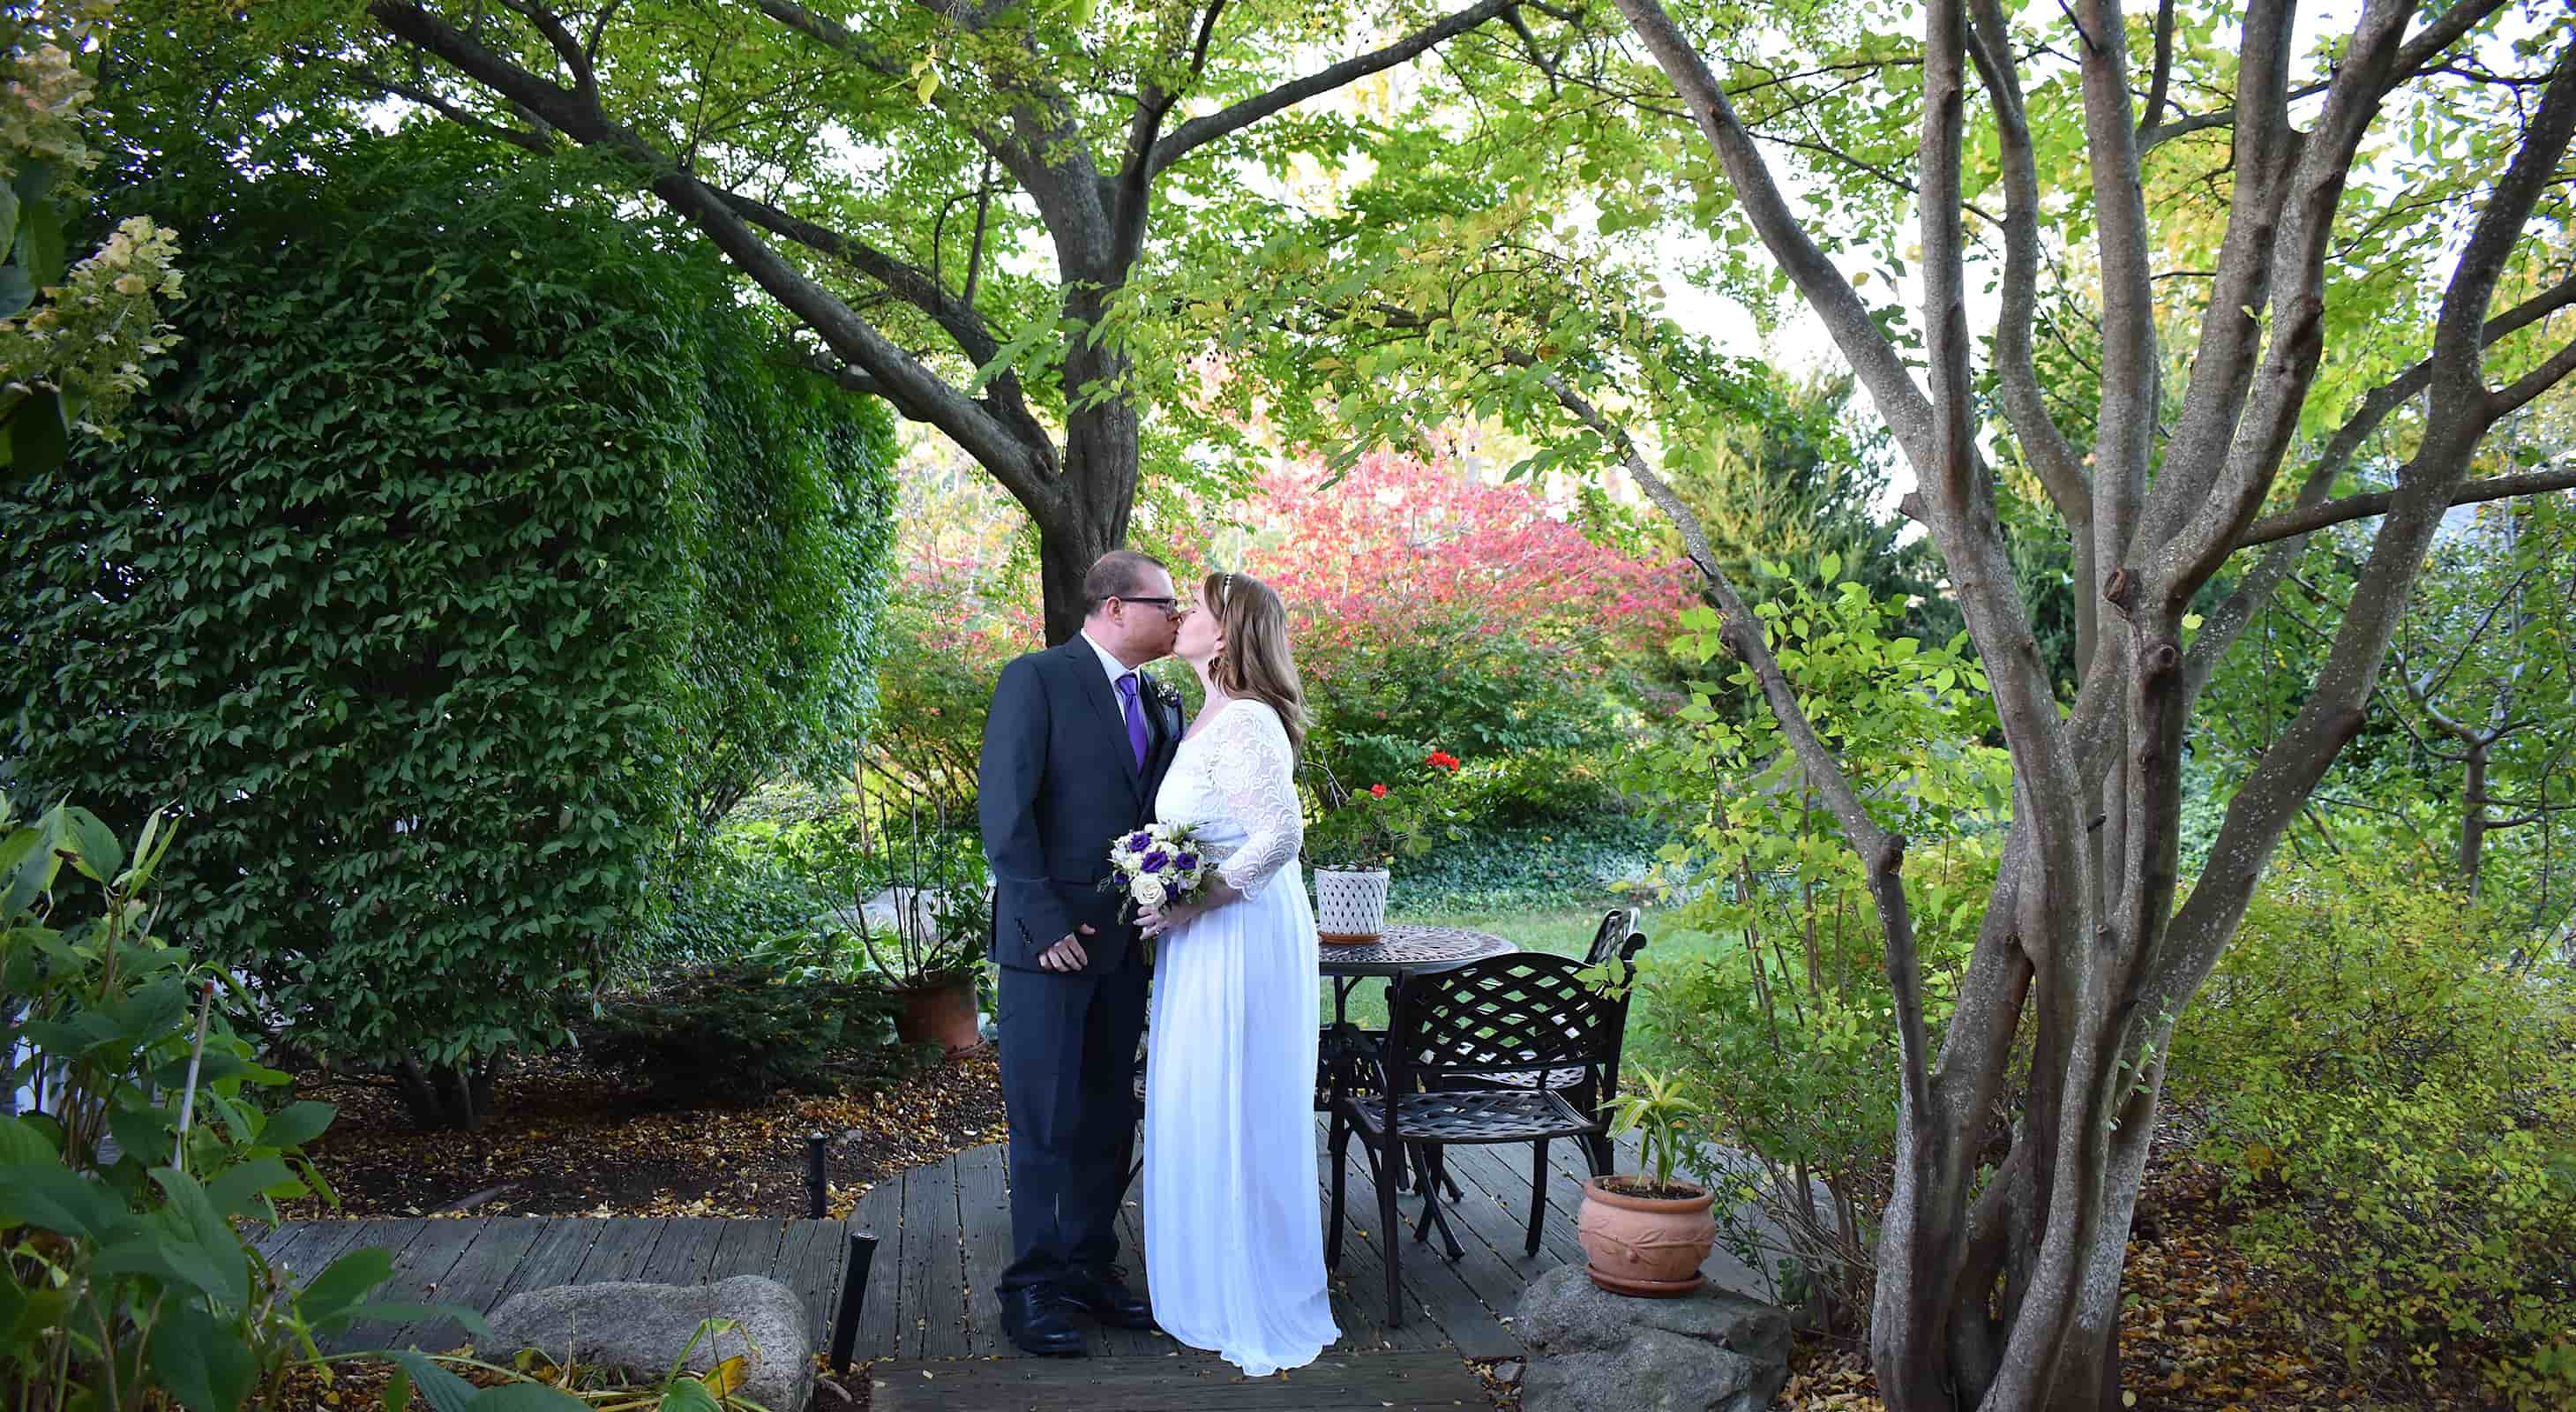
{"x": 1528, "y": 1011}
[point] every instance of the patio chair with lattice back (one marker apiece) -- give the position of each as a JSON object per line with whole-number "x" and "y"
{"x": 1618, "y": 935}
{"x": 1528, "y": 1011}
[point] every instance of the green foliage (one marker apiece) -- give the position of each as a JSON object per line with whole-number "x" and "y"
{"x": 126, "y": 1279}
{"x": 415, "y": 590}
{"x": 1397, "y": 815}
{"x": 796, "y": 550}
{"x": 2388, "y": 1081}
{"x": 1603, "y": 857}
{"x": 1662, "y": 1118}
{"x": 1786, "y": 1032}
{"x": 898, "y": 896}
{"x": 741, "y": 1031}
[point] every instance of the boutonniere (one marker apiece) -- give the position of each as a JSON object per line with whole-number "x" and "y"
{"x": 1164, "y": 695}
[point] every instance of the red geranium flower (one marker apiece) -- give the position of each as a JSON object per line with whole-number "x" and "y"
{"x": 1442, "y": 760}
{"x": 1379, "y": 790}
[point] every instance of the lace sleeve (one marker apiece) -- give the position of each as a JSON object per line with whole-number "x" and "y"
{"x": 1248, "y": 762}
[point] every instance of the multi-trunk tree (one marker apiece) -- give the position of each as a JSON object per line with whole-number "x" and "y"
{"x": 956, "y": 204}
{"x": 2132, "y": 288}
{"x": 2002, "y": 1290}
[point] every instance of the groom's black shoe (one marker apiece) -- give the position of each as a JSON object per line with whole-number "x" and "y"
{"x": 1034, "y": 1318}
{"x": 1106, "y": 1297}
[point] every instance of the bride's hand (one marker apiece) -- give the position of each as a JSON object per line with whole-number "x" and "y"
{"x": 1154, "y": 921}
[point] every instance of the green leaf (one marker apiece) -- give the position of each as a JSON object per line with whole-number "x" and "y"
{"x": 8, "y": 217}
{"x": 24, "y": 1142}
{"x": 443, "y": 1390}
{"x": 16, "y": 291}
{"x": 203, "y": 1363}
{"x": 96, "y": 843}
{"x": 46, "y": 1194}
{"x": 687, "y": 1394}
{"x": 530, "y": 1397}
{"x": 34, "y": 179}
{"x": 331, "y": 1295}
{"x": 237, "y": 1191}
{"x": 296, "y": 1124}
{"x": 219, "y": 1245}
{"x": 1830, "y": 567}
{"x": 36, "y": 440}
{"x": 40, "y": 242}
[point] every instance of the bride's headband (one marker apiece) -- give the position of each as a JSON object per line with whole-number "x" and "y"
{"x": 1224, "y": 590}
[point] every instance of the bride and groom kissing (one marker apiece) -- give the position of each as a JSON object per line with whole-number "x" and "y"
{"x": 1080, "y": 748}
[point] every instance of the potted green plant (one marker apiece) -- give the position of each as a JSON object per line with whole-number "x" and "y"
{"x": 1647, "y": 1232}
{"x": 909, "y": 906}
{"x": 1354, "y": 834}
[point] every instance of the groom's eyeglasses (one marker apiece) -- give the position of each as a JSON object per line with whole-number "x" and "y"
{"x": 1171, "y": 607}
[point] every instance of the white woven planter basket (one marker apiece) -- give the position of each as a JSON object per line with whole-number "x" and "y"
{"x": 1350, "y": 906}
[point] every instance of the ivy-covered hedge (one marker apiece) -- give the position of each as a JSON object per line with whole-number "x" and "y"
{"x": 470, "y": 540}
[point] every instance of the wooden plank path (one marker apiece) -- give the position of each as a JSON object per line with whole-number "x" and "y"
{"x": 1362, "y": 1382}
{"x": 943, "y": 1234}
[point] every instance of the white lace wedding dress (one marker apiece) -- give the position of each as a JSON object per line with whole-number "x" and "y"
{"x": 1234, "y": 1245}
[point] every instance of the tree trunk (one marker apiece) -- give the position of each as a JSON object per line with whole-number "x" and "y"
{"x": 1087, "y": 517}
{"x": 447, "y": 1096}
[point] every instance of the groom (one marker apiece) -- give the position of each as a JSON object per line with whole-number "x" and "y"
{"x": 1074, "y": 750}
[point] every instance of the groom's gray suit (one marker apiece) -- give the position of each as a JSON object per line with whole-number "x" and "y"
{"x": 1059, "y": 780}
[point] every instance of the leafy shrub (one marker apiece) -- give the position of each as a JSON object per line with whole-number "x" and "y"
{"x": 1786, "y": 1033}
{"x": 2392, "y": 1092}
{"x": 1431, "y": 611}
{"x": 740, "y": 1032}
{"x": 1533, "y": 866}
{"x": 443, "y": 577}
{"x": 903, "y": 897}
{"x": 729, "y": 901}
{"x": 126, "y": 1282}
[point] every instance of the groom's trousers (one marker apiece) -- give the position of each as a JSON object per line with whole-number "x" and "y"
{"x": 1069, "y": 1084}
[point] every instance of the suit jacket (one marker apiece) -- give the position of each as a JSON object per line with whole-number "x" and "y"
{"x": 1057, "y": 783}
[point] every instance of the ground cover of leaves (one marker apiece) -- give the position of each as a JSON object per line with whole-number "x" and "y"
{"x": 567, "y": 1140}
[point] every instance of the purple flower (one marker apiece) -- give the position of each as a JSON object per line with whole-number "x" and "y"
{"x": 1156, "y": 861}
{"x": 1186, "y": 862}
{"x": 1139, "y": 840}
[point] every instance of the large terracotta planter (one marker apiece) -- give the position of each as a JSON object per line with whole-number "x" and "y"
{"x": 1350, "y": 905}
{"x": 1645, "y": 1245}
{"x": 941, "y": 1013}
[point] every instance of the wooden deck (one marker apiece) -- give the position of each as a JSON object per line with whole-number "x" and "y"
{"x": 943, "y": 1235}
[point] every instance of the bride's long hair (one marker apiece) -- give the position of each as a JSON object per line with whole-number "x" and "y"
{"x": 1255, "y": 662}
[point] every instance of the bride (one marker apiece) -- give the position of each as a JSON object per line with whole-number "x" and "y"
{"x": 1234, "y": 1248}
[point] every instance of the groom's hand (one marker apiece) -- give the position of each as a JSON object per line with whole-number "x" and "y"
{"x": 1066, "y": 955}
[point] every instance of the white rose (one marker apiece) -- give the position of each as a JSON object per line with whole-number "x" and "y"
{"x": 1149, "y": 891}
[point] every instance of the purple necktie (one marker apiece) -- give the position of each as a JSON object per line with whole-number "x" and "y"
{"x": 1135, "y": 718}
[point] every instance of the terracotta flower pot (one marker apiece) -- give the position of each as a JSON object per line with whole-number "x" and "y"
{"x": 1350, "y": 905}
{"x": 1645, "y": 1245}
{"x": 940, "y": 1013}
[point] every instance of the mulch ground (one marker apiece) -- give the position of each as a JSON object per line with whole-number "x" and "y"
{"x": 567, "y": 1140}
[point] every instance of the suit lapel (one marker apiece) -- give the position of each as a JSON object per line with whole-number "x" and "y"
{"x": 1085, "y": 664}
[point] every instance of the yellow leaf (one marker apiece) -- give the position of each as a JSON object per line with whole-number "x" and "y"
{"x": 2128, "y": 1399}
{"x": 727, "y": 1376}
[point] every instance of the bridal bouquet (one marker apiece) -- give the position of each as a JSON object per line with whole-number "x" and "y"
{"x": 1156, "y": 866}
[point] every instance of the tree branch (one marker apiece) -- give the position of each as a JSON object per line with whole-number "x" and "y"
{"x": 1026, "y": 468}
{"x": 2377, "y": 502}
{"x": 1198, "y": 132}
